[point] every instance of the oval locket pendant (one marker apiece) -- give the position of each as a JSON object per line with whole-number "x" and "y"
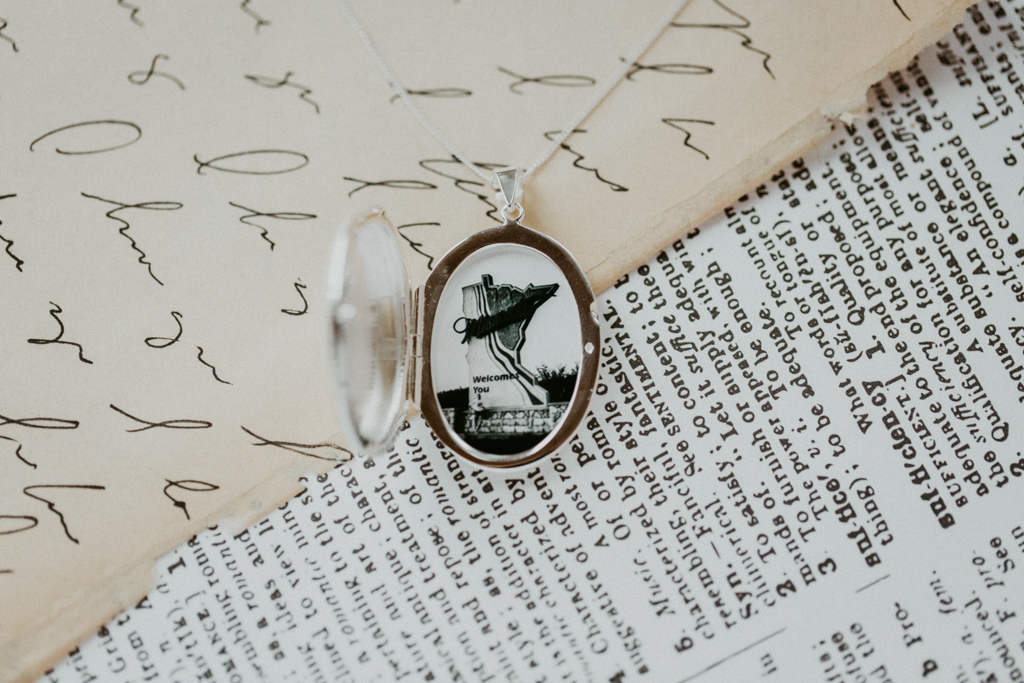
{"x": 499, "y": 348}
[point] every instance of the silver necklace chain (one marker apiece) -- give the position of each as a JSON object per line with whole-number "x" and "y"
{"x": 556, "y": 142}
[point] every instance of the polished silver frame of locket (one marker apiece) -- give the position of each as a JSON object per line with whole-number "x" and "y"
{"x": 382, "y": 333}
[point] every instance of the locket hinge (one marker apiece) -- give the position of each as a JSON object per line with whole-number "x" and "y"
{"x": 414, "y": 348}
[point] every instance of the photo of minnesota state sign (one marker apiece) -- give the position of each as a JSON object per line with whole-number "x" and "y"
{"x": 506, "y": 350}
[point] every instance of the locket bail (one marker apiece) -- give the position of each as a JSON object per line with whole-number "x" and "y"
{"x": 508, "y": 181}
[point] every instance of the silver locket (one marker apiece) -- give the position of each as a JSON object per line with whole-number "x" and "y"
{"x": 498, "y": 349}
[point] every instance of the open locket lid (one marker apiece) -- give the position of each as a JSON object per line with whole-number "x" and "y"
{"x": 368, "y": 292}
{"x": 499, "y": 348}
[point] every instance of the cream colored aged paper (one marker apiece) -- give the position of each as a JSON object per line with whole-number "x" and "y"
{"x": 172, "y": 174}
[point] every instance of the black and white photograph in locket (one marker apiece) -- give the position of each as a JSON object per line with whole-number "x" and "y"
{"x": 505, "y": 349}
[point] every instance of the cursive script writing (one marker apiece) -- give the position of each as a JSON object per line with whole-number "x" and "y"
{"x": 142, "y": 77}
{"x": 39, "y": 422}
{"x": 3, "y": 25}
{"x": 134, "y": 9}
{"x": 468, "y": 182}
{"x": 212, "y": 369}
{"x": 166, "y": 424}
{"x": 59, "y": 339}
{"x": 443, "y": 93}
{"x": 267, "y": 82}
{"x": 559, "y": 81}
{"x": 187, "y": 485}
{"x": 52, "y": 506}
{"x": 260, "y": 21}
{"x": 675, "y": 69}
{"x": 18, "y": 263}
{"x": 17, "y": 451}
{"x": 393, "y": 184}
{"x": 92, "y": 127}
{"x": 280, "y": 215}
{"x": 305, "y": 304}
{"x": 615, "y": 187}
{"x": 416, "y": 245}
{"x": 164, "y": 342}
{"x": 5, "y": 530}
{"x": 148, "y": 206}
{"x": 304, "y": 448}
{"x": 675, "y": 123}
{"x": 737, "y": 27}
{"x": 275, "y": 160}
